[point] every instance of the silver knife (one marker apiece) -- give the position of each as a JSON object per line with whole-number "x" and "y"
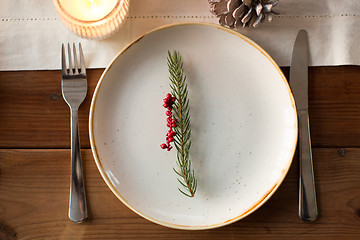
{"x": 299, "y": 85}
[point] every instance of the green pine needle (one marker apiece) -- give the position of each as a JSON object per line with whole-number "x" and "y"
{"x": 183, "y": 131}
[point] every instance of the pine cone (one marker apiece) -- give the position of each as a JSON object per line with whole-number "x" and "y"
{"x": 236, "y": 13}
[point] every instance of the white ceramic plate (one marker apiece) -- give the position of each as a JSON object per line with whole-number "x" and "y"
{"x": 244, "y": 126}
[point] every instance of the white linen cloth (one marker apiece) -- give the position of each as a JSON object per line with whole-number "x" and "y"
{"x": 31, "y": 32}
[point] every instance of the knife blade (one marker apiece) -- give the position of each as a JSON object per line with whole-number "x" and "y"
{"x": 299, "y": 85}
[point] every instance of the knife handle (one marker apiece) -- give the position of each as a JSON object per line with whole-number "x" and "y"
{"x": 307, "y": 197}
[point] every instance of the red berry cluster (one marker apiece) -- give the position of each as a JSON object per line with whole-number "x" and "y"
{"x": 168, "y": 104}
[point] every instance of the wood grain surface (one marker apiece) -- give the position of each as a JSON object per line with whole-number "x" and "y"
{"x": 34, "y": 115}
{"x": 35, "y": 186}
{"x": 35, "y": 168}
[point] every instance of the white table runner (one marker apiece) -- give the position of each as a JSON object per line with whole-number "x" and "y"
{"x": 31, "y": 32}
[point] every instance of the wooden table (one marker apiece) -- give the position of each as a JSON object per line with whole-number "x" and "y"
{"x": 35, "y": 168}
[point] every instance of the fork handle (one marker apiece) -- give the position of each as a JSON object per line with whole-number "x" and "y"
{"x": 77, "y": 203}
{"x": 307, "y": 196}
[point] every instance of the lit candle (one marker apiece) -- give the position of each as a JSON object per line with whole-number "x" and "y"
{"x": 92, "y": 18}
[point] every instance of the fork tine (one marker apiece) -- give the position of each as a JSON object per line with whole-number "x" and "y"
{"x": 63, "y": 60}
{"x": 76, "y": 69}
{"x": 71, "y": 66}
{"x": 82, "y": 61}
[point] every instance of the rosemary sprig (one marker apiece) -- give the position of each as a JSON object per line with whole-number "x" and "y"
{"x": 183, "y": 131}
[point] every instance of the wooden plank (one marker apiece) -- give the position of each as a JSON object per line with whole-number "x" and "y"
{"x": 334, "y": 101}
{"x": 34, "y": 188}
{"x": 34, "y": 115}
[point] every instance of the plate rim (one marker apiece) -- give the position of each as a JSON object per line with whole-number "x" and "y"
{"x": 108, "y": 182}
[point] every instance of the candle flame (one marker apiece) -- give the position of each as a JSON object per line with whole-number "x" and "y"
{"x": 93, "y": 3}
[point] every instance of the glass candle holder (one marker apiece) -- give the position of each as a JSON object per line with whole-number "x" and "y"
{"x": 92, "y": 19}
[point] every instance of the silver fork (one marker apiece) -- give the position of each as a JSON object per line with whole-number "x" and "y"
{"x": 74, "y": 90}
